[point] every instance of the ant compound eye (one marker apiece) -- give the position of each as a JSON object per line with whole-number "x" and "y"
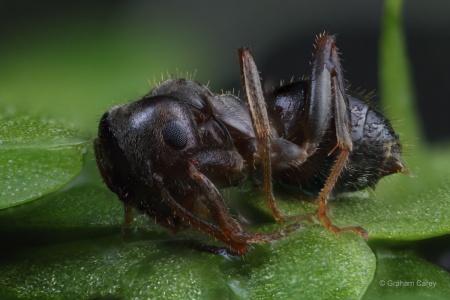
{"x": 278, "y": 109}
{"x": 175, "y": 135}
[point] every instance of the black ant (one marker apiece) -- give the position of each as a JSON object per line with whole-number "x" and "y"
{"x": 168, "y": 153}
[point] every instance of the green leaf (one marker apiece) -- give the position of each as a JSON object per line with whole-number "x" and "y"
{"x": 312, "y": 264}
{"x": 399, "y": 216}
{"x": 84, "y": 261}
{"x": 37, "y": 156}
{"x": 108, "y": 267}
{"x": 82, "y": 211}
{"x": 402, "y": 275}
{"x": 417, "y": 216}
{"x": 91, "y": 205}
{"x": 76, "y": 213}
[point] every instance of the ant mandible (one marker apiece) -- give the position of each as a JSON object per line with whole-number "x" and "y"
{"x": 168, "y": 153}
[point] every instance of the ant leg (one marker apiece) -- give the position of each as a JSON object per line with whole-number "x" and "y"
{"x": 199, "y": 246}
{"x": 238, "y": 245}
{"x": 237, "y": 239}
{"x": 128, "y": 219}
{"x": 322, "y": 210}
{"x": 327, "y": 90}
{"x": 326, "y": 99}
{"x": 258, "y": 112}
{"x": 128, "y": 215}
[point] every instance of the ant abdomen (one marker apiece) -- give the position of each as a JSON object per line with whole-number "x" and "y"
{"x": 376, "y": 147}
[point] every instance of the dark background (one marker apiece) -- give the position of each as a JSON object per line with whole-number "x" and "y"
{"x": 75, "y": 59}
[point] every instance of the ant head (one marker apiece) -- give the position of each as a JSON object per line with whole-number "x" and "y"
{"x": 140, "y": 136}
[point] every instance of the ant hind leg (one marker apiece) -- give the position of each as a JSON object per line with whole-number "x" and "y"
{"x": 327, "y": 72}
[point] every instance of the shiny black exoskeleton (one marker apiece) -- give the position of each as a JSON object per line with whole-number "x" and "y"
{"x": 167, "y": 153}
{"x": 376, "y": 147}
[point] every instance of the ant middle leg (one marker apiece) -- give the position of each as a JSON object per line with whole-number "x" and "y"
{"x": 272, "y": 151}
{"x": 258, "y": 112}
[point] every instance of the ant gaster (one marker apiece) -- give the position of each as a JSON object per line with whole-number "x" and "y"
{"x": 168, "y": 153}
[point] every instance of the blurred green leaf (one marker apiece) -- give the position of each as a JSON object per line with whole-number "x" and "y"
{"x": 76, "y": 71}
{"x": 396, "y": 87}
{"x": 402, "y": 275}
{"x": 398, "y": 98}
{"x": 38, "y": 156}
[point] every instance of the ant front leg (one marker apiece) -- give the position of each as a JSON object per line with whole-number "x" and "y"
{"x": 258, "y": 112}
{"x": 234, "y": 236}
{"x": 327, "y": 98}
{"x": 237, "y": 244}
{"x": 224, "y": 228}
